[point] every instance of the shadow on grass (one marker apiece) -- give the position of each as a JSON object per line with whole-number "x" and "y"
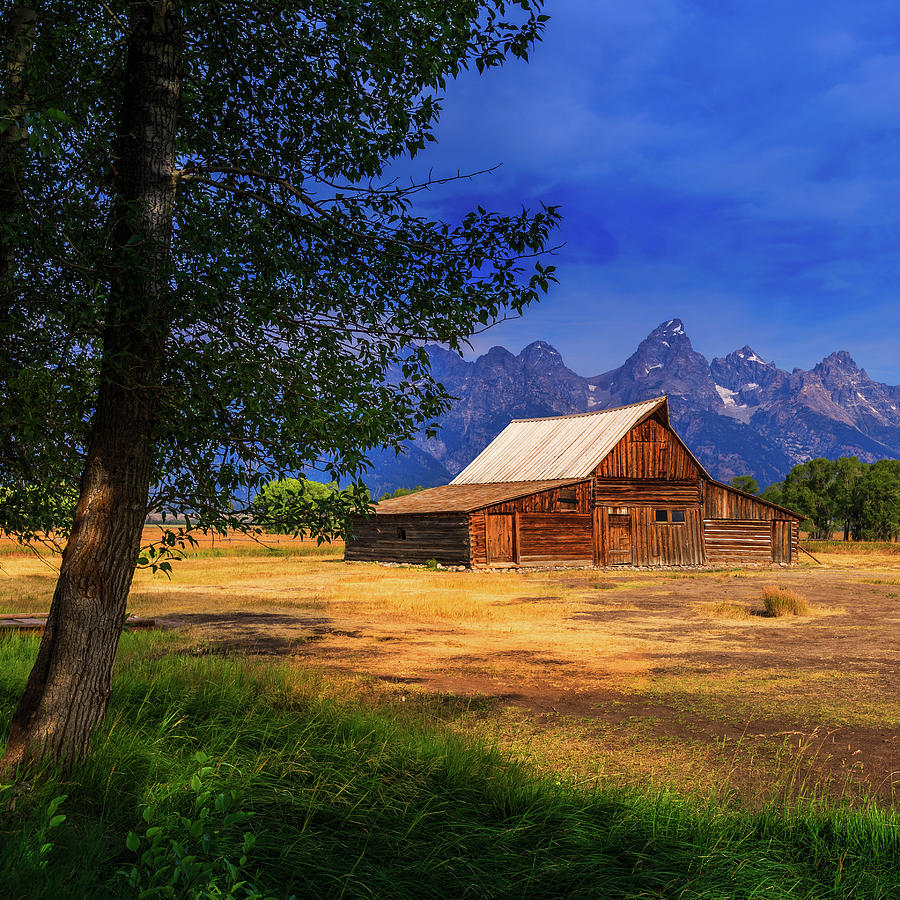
{"x": 347, "y": 802}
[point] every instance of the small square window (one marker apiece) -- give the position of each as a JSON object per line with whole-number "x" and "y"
{"x": 568, "y": 499}
{"x": 401, "y": 534}
{"x": 662, "y": 515}
{"x": 678, "y": 515}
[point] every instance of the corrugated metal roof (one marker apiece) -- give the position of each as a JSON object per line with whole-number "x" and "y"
{"x": 557, "y": 447}
{"x": 465, "y": 497}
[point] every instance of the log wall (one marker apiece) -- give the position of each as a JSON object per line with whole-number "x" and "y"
{"x": 633, "y": 492}
{"x": 551, "y": 538}
{"x": 737, "y": 541}
{"x": 443, "y": 537}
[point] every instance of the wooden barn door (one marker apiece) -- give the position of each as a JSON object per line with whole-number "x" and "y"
{"x": 781, "y": 542}
{"x": 500, "y": 539}
{"x": 619, "y": 551}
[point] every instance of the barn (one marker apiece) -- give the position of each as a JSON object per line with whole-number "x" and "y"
{"x": 611, "y": 488}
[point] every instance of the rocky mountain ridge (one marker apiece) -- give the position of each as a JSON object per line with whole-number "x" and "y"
{"x": 739, "y": 413}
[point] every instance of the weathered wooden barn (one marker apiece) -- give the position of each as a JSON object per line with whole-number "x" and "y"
{"x": 610, "y": 488}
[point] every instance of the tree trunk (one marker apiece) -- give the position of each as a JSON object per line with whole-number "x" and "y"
{"x": 68, "y": 689}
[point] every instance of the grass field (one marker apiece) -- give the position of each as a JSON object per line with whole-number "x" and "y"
{"x": 402, "y": 732}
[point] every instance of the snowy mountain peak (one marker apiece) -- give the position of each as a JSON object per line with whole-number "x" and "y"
{"x": 840, "y": 360}
{"x": 746, "y": 353}
{"x": 672, "y": 328}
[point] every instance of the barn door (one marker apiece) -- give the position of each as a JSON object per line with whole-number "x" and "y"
{"x": 499, "y": 538}
{"x": 619, "y": 551}
{"x": 781, "y": 542}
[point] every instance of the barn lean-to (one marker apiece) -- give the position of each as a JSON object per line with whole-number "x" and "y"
{"x": 611, "y": 488}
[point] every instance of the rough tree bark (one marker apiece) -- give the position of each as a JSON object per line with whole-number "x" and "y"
{"x": 68, "y": 689}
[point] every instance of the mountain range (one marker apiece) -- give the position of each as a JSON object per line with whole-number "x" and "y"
{"x": 739, "y": 414}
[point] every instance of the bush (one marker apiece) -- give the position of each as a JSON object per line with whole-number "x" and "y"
{"x": 784, "y": 602}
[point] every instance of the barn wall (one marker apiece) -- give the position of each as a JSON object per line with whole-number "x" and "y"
{"x": 550, "y": 538}
{"x": 477, "y": 539}
{"x": 666, "y": 544}
{"x": 443, "y": 537}
{"x": 738, "y": 541}
{"x": 721, "y": 503}
{"x": 546, "y": 501}
{"x": 649, "y": 450}
{"x": 633, "y": 492}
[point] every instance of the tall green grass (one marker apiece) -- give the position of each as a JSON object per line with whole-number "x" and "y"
{"x": 350, "y": 802}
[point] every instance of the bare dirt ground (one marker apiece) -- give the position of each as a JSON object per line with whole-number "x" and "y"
{"x": 670, "y": 677}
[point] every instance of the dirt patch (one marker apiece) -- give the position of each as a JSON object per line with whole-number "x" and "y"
{"x": 635, "y": 664}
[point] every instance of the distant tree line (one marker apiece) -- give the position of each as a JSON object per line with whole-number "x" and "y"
{"x": 862, "y": 499}
{"x": 401, "y": 492}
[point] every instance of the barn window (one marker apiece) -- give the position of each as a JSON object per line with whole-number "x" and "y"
{"x": 675, "y": 516}
{"x": 662, "y": 515}
{"x": 568, "y": 500}
{"x": 401, "y": 534}
{"x": 678, "y": 515}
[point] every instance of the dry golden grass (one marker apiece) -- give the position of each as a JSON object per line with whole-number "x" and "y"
{"x": 622, "y": 673}
{"x": 780, "y": 601}
{"x": 725, "y": 609}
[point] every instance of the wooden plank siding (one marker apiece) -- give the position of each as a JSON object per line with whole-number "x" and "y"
{"x": 444, "y": 538}
{"x": 666, "y": 543}
{"x": 547, "y": 501}
{"x": 721, "y": 503}
{"x": 737, "y": 541}
{"x": 554, "y": 538}
{"x": 649, "y": 450}
{"x": 500, "y": 538}
{"x": 781, "y": 541}
{"x": 477, "y": 539}
{"x": 633, "y": 492}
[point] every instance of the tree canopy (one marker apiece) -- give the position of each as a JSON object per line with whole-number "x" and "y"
{"x": 301, "y": 283}
{"x": 863, "y": 500}
{"x": 302, "y": 506}
{"x": 746, "y": 483}
{"x": 211, "y": 278}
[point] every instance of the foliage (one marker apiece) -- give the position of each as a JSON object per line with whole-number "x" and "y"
{"x": 864, "y": 499}
{"x": 300, "y": 506}
{"x": 186, "y": 856}
{"x": 35, "y": 511}
{"x": 746, "y": 483}
{"x": 357, "y": 802}
{"x": 30, "y": 857}
{"x": 401, "y": 492}
{"x": 303, "y": 281}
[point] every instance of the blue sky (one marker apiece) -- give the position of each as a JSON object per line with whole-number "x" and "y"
{"x": 733, "y": 164}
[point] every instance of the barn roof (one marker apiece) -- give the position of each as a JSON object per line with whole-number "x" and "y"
{"x": 556, "y": 447}
{"x": 466, "y": 497}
